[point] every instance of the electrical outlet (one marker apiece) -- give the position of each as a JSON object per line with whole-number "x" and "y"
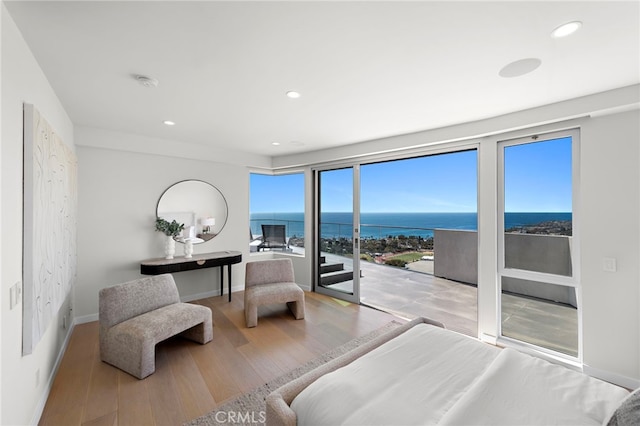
{"x": 37, "y": 377}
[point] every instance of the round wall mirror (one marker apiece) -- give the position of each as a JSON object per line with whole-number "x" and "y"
{"x": 198, "y": 205}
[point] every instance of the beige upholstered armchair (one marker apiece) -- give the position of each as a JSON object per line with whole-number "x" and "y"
{"x": 271, "y": 281}
{"x": 136, "y": 315}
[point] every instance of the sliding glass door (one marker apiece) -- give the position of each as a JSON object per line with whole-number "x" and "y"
{"x": 419, "y": 239}
{"x": 538, "y": 247}
{"x": 337, "y": 231}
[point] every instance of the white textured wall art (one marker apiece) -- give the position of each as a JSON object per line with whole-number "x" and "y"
{"x": 50, "y": 211}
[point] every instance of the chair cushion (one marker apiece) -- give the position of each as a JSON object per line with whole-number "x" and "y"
{"x": 274, "y": 293}
{"x": 162, "y": 323}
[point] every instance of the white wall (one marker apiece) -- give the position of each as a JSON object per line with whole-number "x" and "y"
{"x": 117, "y": 197}
{"x": 22, "y": 81}
{"x": 610, "y": 226}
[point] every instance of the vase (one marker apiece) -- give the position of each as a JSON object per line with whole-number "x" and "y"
{"x": 188, "y": 249}
{"x": 169, "y": 247}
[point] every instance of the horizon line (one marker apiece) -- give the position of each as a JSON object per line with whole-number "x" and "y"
{"x": 518, "y": 212}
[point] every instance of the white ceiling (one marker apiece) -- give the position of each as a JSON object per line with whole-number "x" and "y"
{"x": 366, "y": 70}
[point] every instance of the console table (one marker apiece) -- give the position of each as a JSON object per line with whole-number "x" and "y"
{"x": 198, "y": 261}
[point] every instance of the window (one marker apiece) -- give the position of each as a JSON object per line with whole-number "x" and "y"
{"x": 538, "y": 246}
{"x": 277, "y": 200}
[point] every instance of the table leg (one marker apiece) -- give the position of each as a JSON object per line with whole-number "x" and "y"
{"x": 221, "y": 281}
{"x": 229, "y": 277}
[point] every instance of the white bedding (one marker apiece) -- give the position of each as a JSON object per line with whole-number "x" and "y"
{"x": 519, "y": 389}
{"x": 431, "y": 376}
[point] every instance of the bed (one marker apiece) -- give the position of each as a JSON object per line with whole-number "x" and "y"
{"x": 421, "y": 373}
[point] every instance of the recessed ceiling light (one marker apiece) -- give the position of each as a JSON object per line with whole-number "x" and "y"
{"x": 169, "y": 123}
{"x": 293, "y": 95}
{"x": 275, "y": 143}
{"x": 566, "y": 29}
{"x": 521, "y": 67}
{"x": 146, "y": 81}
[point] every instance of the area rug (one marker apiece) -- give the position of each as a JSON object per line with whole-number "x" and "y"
{"x": 250, "y": 408}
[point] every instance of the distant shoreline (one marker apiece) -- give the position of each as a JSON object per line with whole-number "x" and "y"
{"x": 552, "y": 227}
{"x": 382, "y": 225}
{"x": 387, "y": 247}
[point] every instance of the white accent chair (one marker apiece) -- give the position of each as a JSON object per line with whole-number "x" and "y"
{"x": 271, "y": 281}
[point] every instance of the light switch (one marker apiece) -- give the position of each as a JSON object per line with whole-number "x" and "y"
{"x": 609, "y": 264}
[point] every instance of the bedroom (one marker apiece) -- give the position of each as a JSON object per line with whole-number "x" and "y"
{"x": 122, "y": 168}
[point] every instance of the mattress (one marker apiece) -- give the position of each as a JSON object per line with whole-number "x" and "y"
{"x": 429, "y": 375}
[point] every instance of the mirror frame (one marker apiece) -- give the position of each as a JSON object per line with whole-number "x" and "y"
{"x": 217, "y": 228}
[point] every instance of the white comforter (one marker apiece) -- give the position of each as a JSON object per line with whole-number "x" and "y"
{"x": 430, "y": 376}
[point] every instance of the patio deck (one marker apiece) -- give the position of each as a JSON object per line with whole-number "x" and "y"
{"x": 415, "y": 291}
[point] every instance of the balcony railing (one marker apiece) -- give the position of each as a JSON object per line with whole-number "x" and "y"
{"x": 374, "y": 238}
{"x": 344, "y": 230}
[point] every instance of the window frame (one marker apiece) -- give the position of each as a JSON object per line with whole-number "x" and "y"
{"x": 572, "y": 281}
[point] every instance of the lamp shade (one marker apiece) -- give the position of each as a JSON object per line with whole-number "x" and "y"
{"x": 208, "y": 221}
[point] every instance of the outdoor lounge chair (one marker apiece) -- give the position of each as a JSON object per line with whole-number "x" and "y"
{"x": 274, "y": 237}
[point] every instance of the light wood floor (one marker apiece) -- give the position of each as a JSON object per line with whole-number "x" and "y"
{"x": 192, "y": 379}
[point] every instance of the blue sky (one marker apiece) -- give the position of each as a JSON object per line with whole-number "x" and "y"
{"x": 537, "y": 175}
{"x": 276, "y": 194}
{"x": 438, "y": 183}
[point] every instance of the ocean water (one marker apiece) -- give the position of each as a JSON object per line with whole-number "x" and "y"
{"x": 378, "y": 225}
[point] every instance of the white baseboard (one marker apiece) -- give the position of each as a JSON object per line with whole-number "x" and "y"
{"x": 204, "y": 295}
{"x": 45, "y": 395}
{"x": 216, "y": 293}
{"x": 85, "y": 319}
{"x": 608, "y": 376}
